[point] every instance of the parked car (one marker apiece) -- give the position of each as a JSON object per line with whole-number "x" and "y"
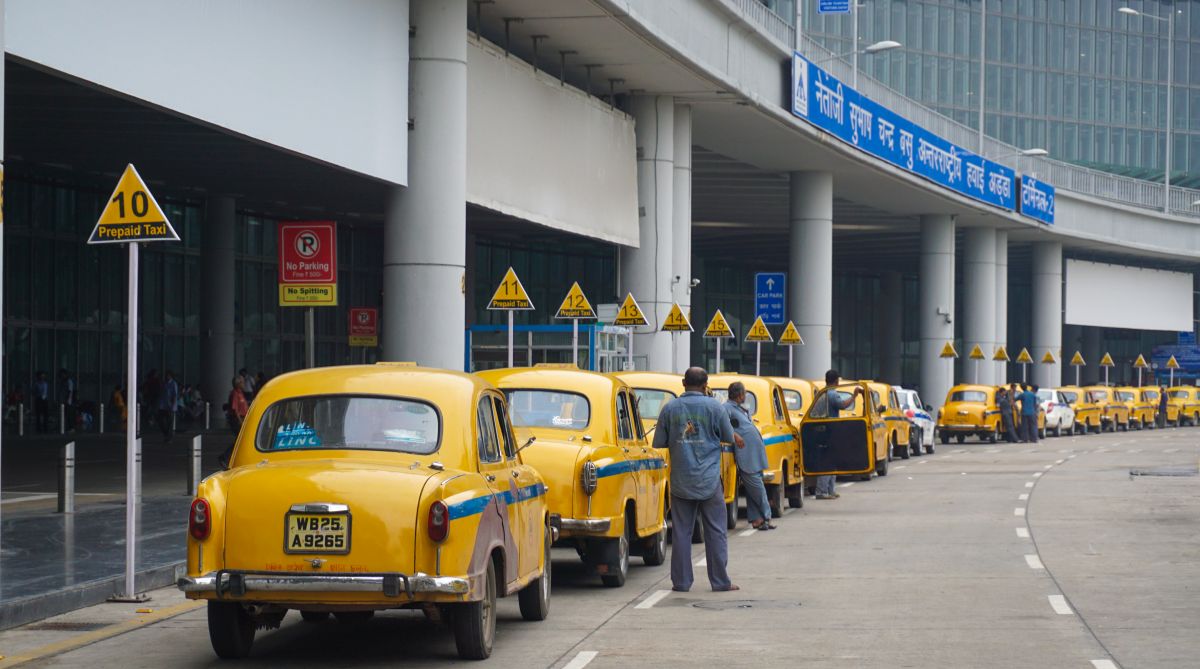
{"x": 1141, "y": 412}
{"x": 361, "y": 488}
{"x": 1186, "y": 400}
{"x": 1087, "y": 411}
{"x": 898, "y": 429}
{"x": 1114, "y": 414}
{"x": 1059, "y": 414}
{"x": 921, "y": 417}
{"x": 1150, "y": 395}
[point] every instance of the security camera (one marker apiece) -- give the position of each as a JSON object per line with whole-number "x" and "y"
{"x": 694, "y": 283}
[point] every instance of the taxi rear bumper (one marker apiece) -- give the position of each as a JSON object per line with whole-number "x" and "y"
{"x": 586, "y": 525}
{"x": 238, "y": 583}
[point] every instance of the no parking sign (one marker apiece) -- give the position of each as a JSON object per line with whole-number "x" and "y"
{"x": 308, "y": 264}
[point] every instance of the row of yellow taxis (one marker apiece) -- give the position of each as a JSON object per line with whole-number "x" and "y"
{"x": 363, "y": 488}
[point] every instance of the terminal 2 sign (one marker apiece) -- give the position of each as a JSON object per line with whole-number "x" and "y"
{"x": 1037, "y": 199}
{"x": 308, "y": 264}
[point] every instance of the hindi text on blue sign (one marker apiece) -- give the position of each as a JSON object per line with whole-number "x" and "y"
{"x": 1037, "y": 199}
{"x": 770, "y": 297}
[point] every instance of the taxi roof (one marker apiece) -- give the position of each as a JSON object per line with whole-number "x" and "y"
{"x": 554, "y": 378}
{"x": 973, "y": 386}
{"x": 381, "y": 379}
{"x": 653, "y": 380}
{"x": 751, "y": 381}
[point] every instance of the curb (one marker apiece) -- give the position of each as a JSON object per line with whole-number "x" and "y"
{"x": 16, "y": 612}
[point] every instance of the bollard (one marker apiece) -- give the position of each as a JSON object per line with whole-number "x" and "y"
{"x": 101, "y": 424}
{"x": 207, "y": 425}
{"x": 21, "y": 419}
{"x": 137, "y": 471}
{"x": 174, "y": 429}
{"x": 66, "y": 479}
{"x": 194, "y": 469}
{"x": 62, "y": 419}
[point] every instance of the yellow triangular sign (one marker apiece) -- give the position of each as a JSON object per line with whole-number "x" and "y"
{"x": 1172, "y": 363}
{"x": 948, "y": 351}
{"x": 676, "y": 321}
{"x": 759, "y": 331}
{"x": 575, "y": 304}
{"x": 1001, "y": 354}
{"x": 1077, "y": 359}
{"x": 1106, "y": 361}
{"x": 791, "y": 336}
{"x": 1023, "y": 357}
{"x": 976, "y": 353}
{"x": 630, "y": 314}
{"x": 1049, "y": 358}
{"x": 1140, "y": 363}
{"x": 132, "y": 215}
{"x": 510, "y": 295}
{"x": 718, "y": 327}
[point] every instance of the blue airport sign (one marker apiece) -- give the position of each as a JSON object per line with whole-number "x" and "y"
{"x": 1186, "y": 339}
{"x": 833, "y": 6}
{"x": 821, "y": 99}
{"x": 1037, "y": 199}
{"x": 770, "y": 297}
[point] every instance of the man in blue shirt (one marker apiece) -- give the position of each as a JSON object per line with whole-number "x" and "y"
{"x": 837, "y": 401}
{"x": 693, "y": 426}
{"x": 1029, "y": 407}
{"x": 751, "y": 457}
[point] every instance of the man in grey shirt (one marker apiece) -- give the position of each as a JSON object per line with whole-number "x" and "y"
{"x": 693, "y": 426}
{"x": 751, "y": 457}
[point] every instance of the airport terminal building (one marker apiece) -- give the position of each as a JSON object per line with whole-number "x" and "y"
{"x": 668, "y": 149}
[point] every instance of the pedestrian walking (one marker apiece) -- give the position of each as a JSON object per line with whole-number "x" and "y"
{"x": 1004, "y": 403}
{"x": 1162, "y": 406}
{"x": 168, "y": 402}
{"x": 248, "y": 387}
{"x": 41, "y": 402}
{"x": 751, "y": 457}
{"x": 693, "y": 427}
{"x": 837, "y": 401}
{"x": 236, "y": 408}
{"x": 1029, "y": 408}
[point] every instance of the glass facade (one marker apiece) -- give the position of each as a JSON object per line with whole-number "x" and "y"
{"x": 1075, "y": 77}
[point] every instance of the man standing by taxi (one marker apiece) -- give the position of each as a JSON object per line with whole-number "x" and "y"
{"x": 751, "y": 458}
{"x": 693, "y": 426}
{"x": 1029, "y": 409}
{"x": 837, "y": 402}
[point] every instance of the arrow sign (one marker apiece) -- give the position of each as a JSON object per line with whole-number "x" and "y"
{"x": 770, "y": 297}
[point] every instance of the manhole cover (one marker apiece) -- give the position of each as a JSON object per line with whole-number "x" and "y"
{"x": 727, "y": 604}
{"x": 1164, "y": 471}
{"x": 66, "y": 626}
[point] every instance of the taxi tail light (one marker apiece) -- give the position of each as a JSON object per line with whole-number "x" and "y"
{"x": 200, "y": 519}
{"x": 439, "y": 521}
{"x": 589, "y": 478}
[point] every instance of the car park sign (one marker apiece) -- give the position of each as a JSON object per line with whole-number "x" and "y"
{"x": 770, "y": 297}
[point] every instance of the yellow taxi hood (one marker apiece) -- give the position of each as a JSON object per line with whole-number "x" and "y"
{"x": 382, "y": 500}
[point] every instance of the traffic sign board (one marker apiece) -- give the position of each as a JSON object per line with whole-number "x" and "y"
{"x": 308, "y": 264}
{"x": 718, "y": 327}
{"x": 1023, "y": 357}
{"x": 791, "y": 336}
{"x": 1106, "y": 361}
{"x": 976, "y": 353}
{"x": 1049, "y": 358}
{"x": 676, "y": 321}
{"x": 1140, "y": 363}
{"x": 132, "y": 214}
{"x": 1077, "y": 359}
{"x": 833, "y": 6}
{"x": 759, "y": 332}
{"x": 510, "y": 295}
{"x": 948, "y": 351}
{"x": 1001, "y": 354}
{"x": 770, "y": 297}
{"x": 364, "y": 326}
{"x": 575, "y": 304}
{"x": 630, "y": 313}
{"x": 1172, "y": 363}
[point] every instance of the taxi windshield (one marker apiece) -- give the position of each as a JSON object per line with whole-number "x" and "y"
{"x": 968, "y": 396}
{"x": 1098, "y": 395}
{"x": 794, "y": 400}
{"x": 651, "y": 402}
{"x": 332, "y": 422}
{"x": 548, "y": 408}
{"x": 1125, "y": 396}
{"x": 1069, "y": 395}
{"x": 751, "y": 402}
{"x": 1179, "y": 394}
{"x": 1150, "y": 394}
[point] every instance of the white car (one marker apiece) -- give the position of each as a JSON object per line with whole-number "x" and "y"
{"x": 921, "y": 417}
{"x": 1060, "y": 417}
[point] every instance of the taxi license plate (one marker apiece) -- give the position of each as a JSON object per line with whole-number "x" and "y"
{"x": 317, "y": 533}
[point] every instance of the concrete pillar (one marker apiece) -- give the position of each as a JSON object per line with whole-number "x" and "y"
{"x": 1047, "y": 311}
{"x": 647, "y": 271}
{"x": 810, "y": 271}
{"x": 681, "y": 231}
{"x": 889, "y": 326}
{"x": 936, "y": 306}
{"x": 217, "y": 361}
{"x": 1001, "y": 339}
{"x": 1092, "y": 372}
{"x": 979, "y": 303}
{"x": 425, "y": 226}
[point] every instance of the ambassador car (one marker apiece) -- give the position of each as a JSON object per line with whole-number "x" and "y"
{"x": 921, "y": 416}
{"x": 1114, "y": 414}
{"x": 605, "y": 480}
{"x": 362, "y": 488}
{"x": 1087, "y": 411}
{"x": 1060, "y": 416}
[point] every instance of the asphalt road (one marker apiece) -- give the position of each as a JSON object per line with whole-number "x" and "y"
{"x": 977, "y": 556}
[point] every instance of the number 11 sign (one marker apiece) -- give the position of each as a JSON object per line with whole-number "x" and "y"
{"x": 510, "y": 296}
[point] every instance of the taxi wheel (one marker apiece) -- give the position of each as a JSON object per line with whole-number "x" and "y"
{"x": 654, "y": 552}
{"x": 534, "y": 599}
{"x": 994, "y": 435}
{"x": 945, "y": 438}
{"x": 881, "y": 467}
{"x": 906, "y": 452}
{"x": 1042, "y": 433}
{"x": 618, "y": 563}
{"x": 960, "y": 438}
{"x": 475, "y": 622}
{"x": 1058, "y": 429}
{"x": 795, "y": 493}
{"x": 230, "y": 629}
{"x": 916, "y": 441}
{"x": 314, "y": 616}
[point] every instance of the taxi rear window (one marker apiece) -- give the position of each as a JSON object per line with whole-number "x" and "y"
{"x": 1179, "y": 394}
{"x": 751, "y": 403}
{"x": 794, "y": 400}
{"x": 548, "y": 408}
{"x": 350, "y": 422}
{"x": 1098, "y": 395}
{"x": 1069, "y": 395}
{"x": 968, "y": 396}
{"x": 651, "y": 401}
{"x": 1125, "y": 396}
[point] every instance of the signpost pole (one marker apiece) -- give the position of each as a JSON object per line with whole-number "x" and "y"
{"x": 1024, "y": 372}
{"x": 1172, "y": 382}
{"x": 1106, "y": 376}
{"x": 310, "y": 332}
{"x": 976, "y": 370}
{"x": 510, "y": 338}
{"x": 674, "y": 350}
{"x": 791, "y": 370}
{"x": 629, "y": 351}
{"x": 575, "y": 341}
{"x": 1077, "y": 374}
{"x": 1139, "y": 377}
{"x": 758, "y": 358}
{"x": 718, "y": 355}
{"x": 131, "y": 469}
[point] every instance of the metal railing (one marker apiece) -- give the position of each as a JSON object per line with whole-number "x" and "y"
{"x": 1066, "y": 176}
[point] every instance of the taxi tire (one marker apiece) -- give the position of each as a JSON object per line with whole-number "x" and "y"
{"x": 945, "y": 438}
{"x": 994, "y": 435}
{"x": 731, "y": 514}
{"x": 475, "y": 622}
{"x": 616, "y": 553}
{"x": 230, "y": 630}
{"x": 1058, "y": 429}
{"x": 881, "y": 467}
{"x": 534, "y": 598}
{"x": 794, "y": 492}
{"x": 654, "y": 550}
{"x": 960, "y": 438}
{"x": 906, "y": 453}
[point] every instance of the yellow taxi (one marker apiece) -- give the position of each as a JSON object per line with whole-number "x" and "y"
{"x": 1087, "y": 411}
{"x": 784, "y": 475}
{"x": 797, "y": 396}
{"x": 605, "y": 480}
{"x": 846, "y": 442}
{"x": 1186, "y": 403}
{"x": 1113, "y": 414}
{"x": 887, "y": 403}
{"x": 655, "y": 389}
{"x": 1151, "y": 395}
{"x": 970, "y": 410}
{"x": 360, "y": 488}
{"x": 1141, "y": 412}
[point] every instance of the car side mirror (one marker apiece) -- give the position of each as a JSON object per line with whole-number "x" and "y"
{"x": 928, "y": 407}
{"x": 881, "y": 409}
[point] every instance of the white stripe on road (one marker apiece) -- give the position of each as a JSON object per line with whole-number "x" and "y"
{"x": 28, "y": 498}
{"x": 846, "y": 484}
{"x": 1034, "y": 562}
{"x": 1019, "y": 511}
{"x": 922, "y": 462}
{"x": 1029, "y": 484}
{"x": 1023, "y": 496}
{"x": 1103, "y": 664}
{"x": 1060, "y": 605}
{"x": 702, "y": 562}
{"x": 644, "y": 604}
{"x": 746, "y": 533}
{"x": 1169, "y": 450}
{"x": 1135, "y": 450}
{"x": 992, "y": 450}
{"x": 1048, "y": 467}
{"x": 961, "y": 450}
{"x": 584, "y": 657}
{"x": 900, "y": 467}
{"x": 1071, "y": 457}
{"x": 944, "y": 457}
{"x": 1023, "y": 532}
{"x": 1036, "y": 474}
{"x": 1059, "y": 462}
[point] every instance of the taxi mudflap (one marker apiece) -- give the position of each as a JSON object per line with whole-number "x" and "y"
{"x": 356, "y": 489}
{"x": 604, "y": 479}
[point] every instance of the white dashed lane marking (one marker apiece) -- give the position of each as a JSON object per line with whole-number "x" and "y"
{"x": 1034, "y": 562}
{"x": 1019, "y": 511}
{"x": 846, "y": 484}
{"x": 900, "y": 467}
{"x": 1023, "y": 496}
{"x": 584, "y": 657}
{"x": 1060, "y": 605}
{"x": 1036, "y": 474}
{"x": 746, "y": 533}
{"x": 1059, "y": 462}
{"x": 1048, "y": 467}
{"x": 1029, "y": 484}
{"x": 1104, "y": 664}
{"x": 1022, "y": 532}
{"x": 644, "y": 604}
{"x": 1169, "y": 450}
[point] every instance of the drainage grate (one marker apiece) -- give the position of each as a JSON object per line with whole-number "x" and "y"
{"x": 728, "y": 604}
{"x": 1164, "y": 471}
{"x": 66, "y": 626}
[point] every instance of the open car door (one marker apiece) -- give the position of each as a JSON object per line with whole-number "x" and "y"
{"x": 836, "y": 433}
